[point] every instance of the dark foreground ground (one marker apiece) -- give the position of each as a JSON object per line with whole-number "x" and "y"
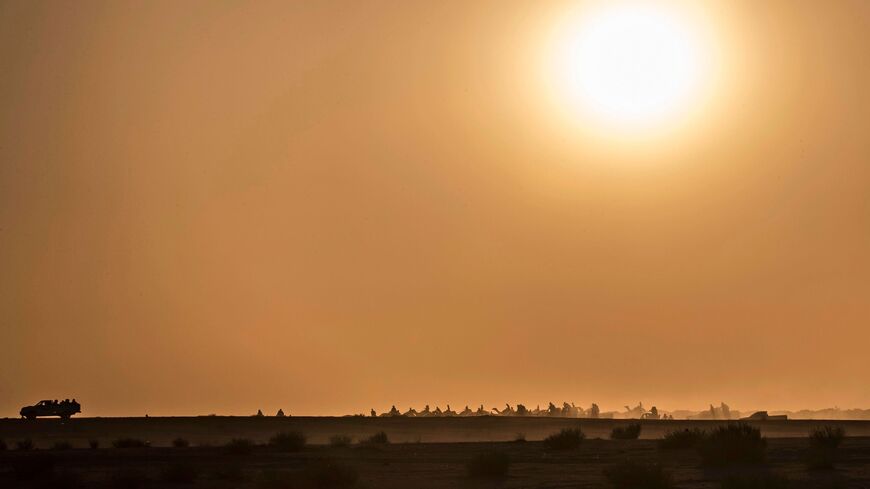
{"x": 436, "y": 461}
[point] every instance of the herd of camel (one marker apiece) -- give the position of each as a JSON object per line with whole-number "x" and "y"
{"x": 567, "y": 410}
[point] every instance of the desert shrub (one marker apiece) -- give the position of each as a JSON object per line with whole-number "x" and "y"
{"x": 733, "y": 444}
{"x": 24, "y": 445}
{"x": 764, "y": 481}
{"x": 489, "y": 464}
{"x": 129, "y": 443}
{"x": 33, "y": 466}
{"x": 94, "y": 444}
{"x": 179, "y": 473}
{"x": 339, "y": 441}
{"x": 61, "y": 445}
{"x": 828, "y": 437}
{"x": 127, "y": 479}
{"x": 239, "y": 446}
{"x": 330, "y": 474}
{"x": 634, "y": 475}
{"x": 288, "y": 441}
{"x": 824, "y": 442}
{"x": 679, "y": 440}
{"x": 567, "y": 439}
{"x": 630, "y": 432}
{"x": 379, "y": 438}
{"x": 180, "y": 443}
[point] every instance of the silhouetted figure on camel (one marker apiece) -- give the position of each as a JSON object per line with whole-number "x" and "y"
{"x": 393, "y": 412}
{"x": 467, "y": 411}
{"x": 507, "y": 411}
{"x": 411, "y": 413}
{"x": 552, "y": 410}
{"x": 594, "y": 411}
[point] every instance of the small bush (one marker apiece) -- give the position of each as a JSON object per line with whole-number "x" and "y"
{"x": 766, "y": 481}
{"x": 733, "y": 444}
{"x": 680, "y": 440}
{"x": 94, "y": 444}
{"x": 489, "y": 464}
{"x": 179, "y": 473}
{"x": 824, "y": 443}
{"x": 379, "y": 438}
{"x": 567, "y": 439}
{"x": 633, "y": 475}
{"x": 180, "y": 443}
{"x": 339, "y": 441}
{"x": 239, "y": 446}
{"x": 288, "y": 441}
{"x": 828, "y": 437}
{"x": 129, "y": 443}
{"x": 61, "y": 445}
{"x": 630, "y": 432}
{"x": 24, "y": 445}
{"x": 330, "y": 474}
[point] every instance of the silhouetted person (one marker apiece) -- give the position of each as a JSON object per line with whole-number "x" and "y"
{"x": 374, "y": 414}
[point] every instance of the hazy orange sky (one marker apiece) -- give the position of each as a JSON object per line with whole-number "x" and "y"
{"x": 220, "y": 206}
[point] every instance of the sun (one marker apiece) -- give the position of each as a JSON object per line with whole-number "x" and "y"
{"x": 628, "y": 64}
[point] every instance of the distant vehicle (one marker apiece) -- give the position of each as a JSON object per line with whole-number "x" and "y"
{"x": 64, "y": 409}
{"x": 763, "y": 416}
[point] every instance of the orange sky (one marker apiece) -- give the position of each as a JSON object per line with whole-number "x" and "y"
{"x": 215, "y": 207}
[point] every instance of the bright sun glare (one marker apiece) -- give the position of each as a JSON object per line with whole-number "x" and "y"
{"x": 628, "y": 64}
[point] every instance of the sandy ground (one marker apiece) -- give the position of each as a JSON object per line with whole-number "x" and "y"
{"x": 404, "y": 463}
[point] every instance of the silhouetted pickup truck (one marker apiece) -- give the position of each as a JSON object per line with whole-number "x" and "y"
{"x": 64, "y": 409}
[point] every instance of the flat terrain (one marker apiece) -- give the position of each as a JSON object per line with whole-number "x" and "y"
{"x": 219, "y": 429}
{"x": 437, "y": 460}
